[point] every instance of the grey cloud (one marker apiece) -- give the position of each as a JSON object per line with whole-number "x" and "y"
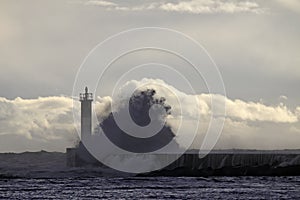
{"x": 191, "y": 6}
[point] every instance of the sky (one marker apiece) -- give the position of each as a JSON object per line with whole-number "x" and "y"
{"x": 255, "y": 45}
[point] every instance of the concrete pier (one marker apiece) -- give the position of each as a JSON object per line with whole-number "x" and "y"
{"x": 216, "y": 163}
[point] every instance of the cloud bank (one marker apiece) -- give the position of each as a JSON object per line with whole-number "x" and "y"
{"x": 35, "y": 124}
{"x": 47, "y": 122}
{"x": 192, "y": 6}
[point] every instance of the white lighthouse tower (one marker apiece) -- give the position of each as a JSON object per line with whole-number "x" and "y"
{"x": 86, "y": 114}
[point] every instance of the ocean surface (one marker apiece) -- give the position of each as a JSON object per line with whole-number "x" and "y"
{"x": 44, "y": 175}
{"x": 152, "y": 188}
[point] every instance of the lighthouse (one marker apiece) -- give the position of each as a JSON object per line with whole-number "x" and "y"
{"x": 86, "y": 114}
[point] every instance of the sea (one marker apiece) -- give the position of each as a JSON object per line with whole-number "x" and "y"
{"x": 151, "y": 188}
{"x": 44, "y": 175}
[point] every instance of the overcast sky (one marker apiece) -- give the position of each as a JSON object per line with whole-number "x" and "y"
{"x": 255, "y": 44}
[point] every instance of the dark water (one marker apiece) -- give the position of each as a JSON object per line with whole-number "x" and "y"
{"x": 153, "y": 188}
